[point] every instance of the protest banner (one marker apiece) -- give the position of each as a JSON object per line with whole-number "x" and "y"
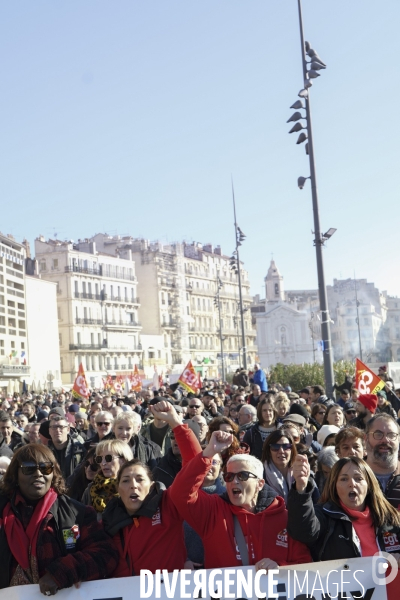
{"x": 355, "y": 579}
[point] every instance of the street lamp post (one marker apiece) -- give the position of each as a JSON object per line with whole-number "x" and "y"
{"x": 217, "y": 303}
{"x": 235, "y": 265}
{"x": 316, "y": 64}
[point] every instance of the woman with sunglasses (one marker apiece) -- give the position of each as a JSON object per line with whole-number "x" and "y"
{"x": 353, "y": 517}
{"x": 82, "y": 476}
{"x": 278, "y": 454}
{"x": 110, "y": 456}
{"x": 256, "y": 435}
{"x": 143, "y": 521}
{"x": 318, "y": 413}
{"x": 46, "y": 537}
{"x": 250, "y": 509}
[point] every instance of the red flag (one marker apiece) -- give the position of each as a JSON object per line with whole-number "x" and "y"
{"x": 136, "y": 382}
{"x": 80, "y": 388}
{"x": 189, "y": 379}
{"x": 366, "y": 381}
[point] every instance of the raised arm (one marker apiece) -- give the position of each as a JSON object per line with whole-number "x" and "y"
{"x": 196, "y": 508}
{"x": 304, "y": 524}
{"x": 188, "y": 443}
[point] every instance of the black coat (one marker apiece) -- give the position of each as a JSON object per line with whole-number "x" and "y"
{"x": 253, "y": 438}
{"x": 167, "y": 468}
{"x": 328, "y": 531}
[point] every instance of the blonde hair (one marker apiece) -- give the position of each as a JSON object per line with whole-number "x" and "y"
{"x": 115, "y": 447}
{"x": 133, "y": 418}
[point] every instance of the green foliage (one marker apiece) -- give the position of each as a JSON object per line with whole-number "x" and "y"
{"x": 299, "y": 376}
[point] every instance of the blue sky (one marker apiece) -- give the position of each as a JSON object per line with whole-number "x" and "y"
{"x": 131, "y": 116}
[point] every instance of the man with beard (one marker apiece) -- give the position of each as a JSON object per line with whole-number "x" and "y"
{"x": 382, "y": 445}
{"x": 365, "y": 406}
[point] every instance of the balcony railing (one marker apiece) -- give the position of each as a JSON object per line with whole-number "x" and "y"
{"x": 169, "y": 324}
{"x": 122, "y": 324}
{"x": 85, "y": 321}
{"x": 105, "y": 347}
{"x": 99, "y": 272}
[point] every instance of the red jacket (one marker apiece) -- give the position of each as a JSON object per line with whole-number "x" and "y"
{"x": 212, "y": 517}
{"x": 153, "y": 538}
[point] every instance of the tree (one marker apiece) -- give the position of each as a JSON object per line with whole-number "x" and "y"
{"x": 300, "y": 376}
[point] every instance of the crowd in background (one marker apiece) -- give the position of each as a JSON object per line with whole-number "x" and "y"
{"x": 161, "y": 479}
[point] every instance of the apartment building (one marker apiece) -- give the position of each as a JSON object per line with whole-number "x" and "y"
{"x": 178, "y": 285}
{"x": 97, "y": 308}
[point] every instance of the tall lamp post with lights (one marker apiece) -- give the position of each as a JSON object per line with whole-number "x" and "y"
{"x": 311, "y": 70}
{"x": 235, "y": 267}
{"x": 217, "y": 304}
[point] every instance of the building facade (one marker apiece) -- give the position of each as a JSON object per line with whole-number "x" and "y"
{"x": 97, "y": 307}
{"x": 14, "y": 364}
{"x": 285, "y": 330}
{"x": 178, "y": 284}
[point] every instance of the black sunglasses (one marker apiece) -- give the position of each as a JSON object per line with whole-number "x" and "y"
{"x": 107, "y": 458}
{"x": 93, "y": 466}
{"x": 350, "y": 412}
{"x": 101, "y": 423}
{"x": 241, "y": 476}
{"x": 277, "y": 447}
{"x": 29, "y": 468}
{"x": 194, "y": 405}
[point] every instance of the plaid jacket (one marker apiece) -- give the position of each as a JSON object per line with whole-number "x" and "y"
{"x": 72, "y": 545}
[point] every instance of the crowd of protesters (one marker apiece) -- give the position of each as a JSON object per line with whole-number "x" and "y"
{"x": 247, "y": 473}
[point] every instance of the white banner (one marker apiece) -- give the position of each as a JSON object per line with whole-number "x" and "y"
{"x": 359, "y": 578}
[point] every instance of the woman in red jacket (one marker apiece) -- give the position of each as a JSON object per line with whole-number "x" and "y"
{"x": 144, "y": 522}
{"x": 261, "y": 514}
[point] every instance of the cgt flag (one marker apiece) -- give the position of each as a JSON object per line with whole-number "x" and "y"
{"x": 366, "y": 381}
{"x": 189, "y": 379}
{"x": 136, "y": 382}
{"x": 80, "y": 388}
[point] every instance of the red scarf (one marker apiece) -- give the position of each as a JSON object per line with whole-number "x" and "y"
{"x": 23, "y": 543}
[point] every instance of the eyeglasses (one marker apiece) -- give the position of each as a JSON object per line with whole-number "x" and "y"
{"x": 101, "y": 423}
{"x": 230, "y": 431}
{"x": 321, "y": 412}
{"x": 194, "y": 405}
{"x": 241, "y": 476}
{"x": 379, "y": 435}
{"x": 108, "y": 458}
{"x": 350, "y": 412}
{"x": 58, "y": 426}
{"x": 93, "y": 466}
{"x": 29, "y": 468}
{"x": 277, "y": 447}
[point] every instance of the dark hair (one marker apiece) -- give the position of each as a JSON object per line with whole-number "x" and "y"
{"x": 318, "y": 389}
{"x": 266, "y": 400}
{"x": 348, "y": 433}
{"x": 34, "y": 453}
{"x": 316, "y": 408}
{"x": 274, "y": 437}
{"x": 382, "y": 512}
{"x": 133, "y": 463}
{"x": 214, "y": 425}
{"x": 328, "y": 410}
{"x": 79, "y": 481}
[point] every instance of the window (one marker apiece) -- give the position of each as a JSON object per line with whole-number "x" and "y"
{"x": 58, "y": 312}
{"x": 42, "y": 265}
{"x": 55, "y": 263}
{"x": 78, "y": 338}
{"x": 60, "y": 339}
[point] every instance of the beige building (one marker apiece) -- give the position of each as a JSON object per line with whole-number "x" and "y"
{"x": 14, "y": 363}
{"x": 178, "y": 285}
{"x": 97, "y": 308}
